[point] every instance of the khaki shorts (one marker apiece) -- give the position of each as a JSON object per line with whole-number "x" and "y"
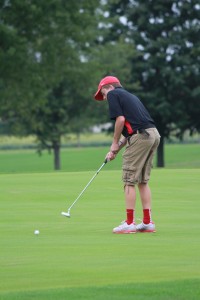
{"x": 138, "y": 157}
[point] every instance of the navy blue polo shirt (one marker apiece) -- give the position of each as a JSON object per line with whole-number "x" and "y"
{"x": 123, "y": 103}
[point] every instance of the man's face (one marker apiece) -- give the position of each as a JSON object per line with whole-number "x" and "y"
{"x": 105, "y": 90}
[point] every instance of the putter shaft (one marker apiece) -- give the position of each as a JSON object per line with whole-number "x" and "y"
{"x": 87, "y": 185}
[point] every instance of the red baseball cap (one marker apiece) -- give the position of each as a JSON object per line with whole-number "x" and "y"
{"x": 106, "y": 80}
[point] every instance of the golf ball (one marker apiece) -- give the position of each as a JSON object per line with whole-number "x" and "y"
{"x": 36, "y": 232}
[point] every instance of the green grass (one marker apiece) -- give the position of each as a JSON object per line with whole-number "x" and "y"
{"x": 181, "y": 290}
{"x": 87, "y": 159}
{"x": 79, "y": 258}
{"x": 182, "y": 156}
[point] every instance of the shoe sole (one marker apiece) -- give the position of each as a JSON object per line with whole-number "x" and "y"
{"x": 124, "y": 232}
{"x": 146, "y": 231}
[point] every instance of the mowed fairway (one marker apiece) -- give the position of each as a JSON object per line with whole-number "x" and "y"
{"x": 80, "y": 258}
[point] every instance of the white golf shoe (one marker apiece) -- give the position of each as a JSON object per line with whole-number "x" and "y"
{"x": 125, "y": 228}
{"x": 146, "y": 227}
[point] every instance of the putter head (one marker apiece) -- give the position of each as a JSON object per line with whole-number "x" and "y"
{"x": 65, "y": 214}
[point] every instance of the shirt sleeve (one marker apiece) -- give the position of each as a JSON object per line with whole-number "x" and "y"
{"x": 115, "y": 108}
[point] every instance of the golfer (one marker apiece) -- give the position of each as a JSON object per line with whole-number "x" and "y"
{"x": 135, "y": 129}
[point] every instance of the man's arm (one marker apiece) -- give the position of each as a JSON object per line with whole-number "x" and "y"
{"x": 119, "y": 125}
{"x": 122, "y": 142}
{"x": 117, "y": 143}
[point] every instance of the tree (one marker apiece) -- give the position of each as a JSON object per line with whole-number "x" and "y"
{"x": 43, "y": 64}
{"x": 65, "y": 110}
{"x": 166, "y": 36}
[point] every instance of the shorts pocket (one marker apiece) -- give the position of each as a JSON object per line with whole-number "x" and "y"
{"x": 129, "y": 175}
{"x": 147, "y": 173}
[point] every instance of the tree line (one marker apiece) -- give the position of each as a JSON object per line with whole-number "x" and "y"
{"x": 53, "y": 54}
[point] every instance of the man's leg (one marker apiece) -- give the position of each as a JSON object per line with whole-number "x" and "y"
{"x": 145, "y": 194}
{"x": 130, "y": 198}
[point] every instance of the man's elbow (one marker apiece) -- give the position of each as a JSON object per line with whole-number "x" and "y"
{"x": 120, "y": 119}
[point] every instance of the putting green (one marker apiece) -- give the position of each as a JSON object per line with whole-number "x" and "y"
{"x": 82, "y": 251}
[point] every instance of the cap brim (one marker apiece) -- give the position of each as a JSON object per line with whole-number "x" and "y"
{"x": 98, "y": 96}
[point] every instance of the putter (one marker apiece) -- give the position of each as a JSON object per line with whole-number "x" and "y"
{"x": 67, "y": 214}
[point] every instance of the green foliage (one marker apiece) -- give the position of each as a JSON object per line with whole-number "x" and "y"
{"x": 46, "y": 90}
{"x": 53, "y": 54}
{"x": 165, "y": 34}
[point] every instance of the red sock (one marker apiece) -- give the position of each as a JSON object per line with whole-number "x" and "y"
{"x": 130, "y": 216}
{"x": 146, "y": 216}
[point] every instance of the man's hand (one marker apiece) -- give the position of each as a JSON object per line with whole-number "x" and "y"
{"x": 114, "y": 148}
{"x": 110, "y": 156}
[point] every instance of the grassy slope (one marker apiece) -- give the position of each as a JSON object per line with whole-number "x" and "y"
{"x": 80, "y": 256}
